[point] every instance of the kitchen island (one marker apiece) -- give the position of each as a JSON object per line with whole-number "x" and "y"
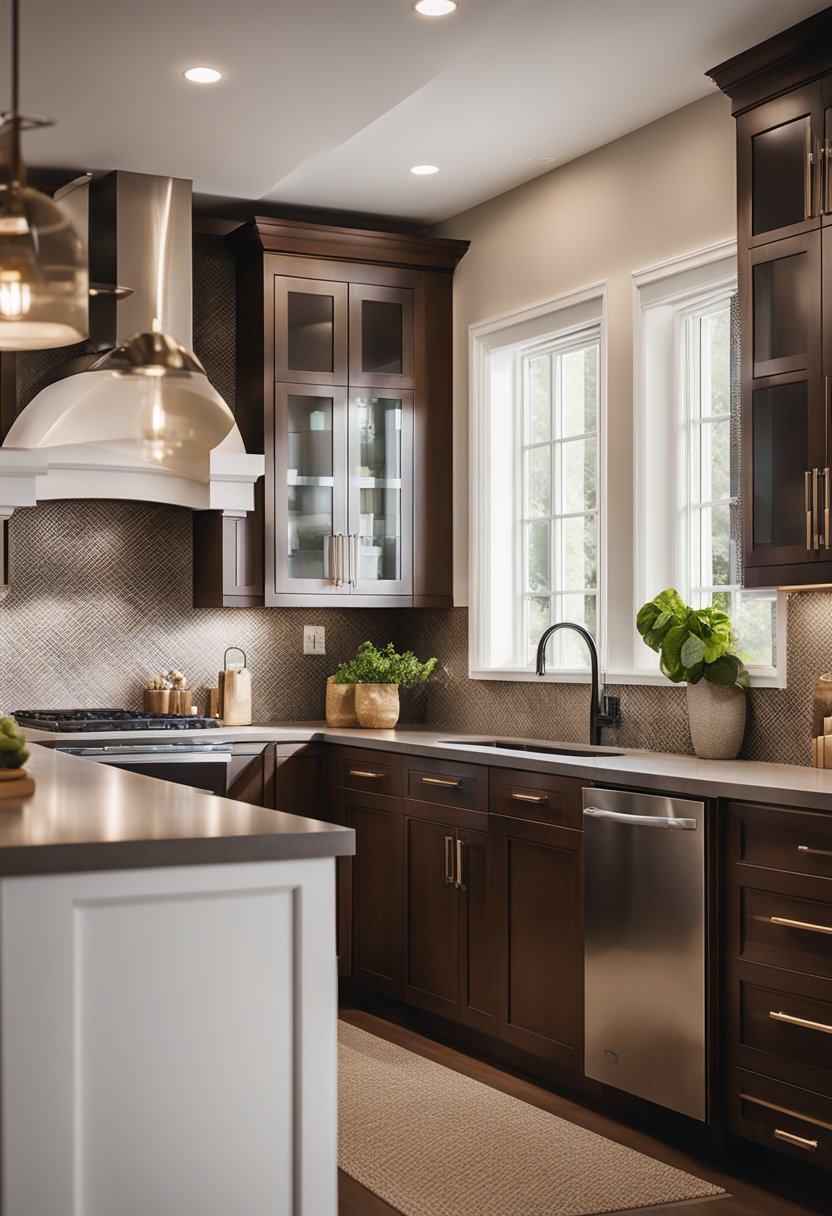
{"x": 168, "y": 1004}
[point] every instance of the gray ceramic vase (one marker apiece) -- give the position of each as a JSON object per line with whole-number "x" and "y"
{"x": 717, "y": 720}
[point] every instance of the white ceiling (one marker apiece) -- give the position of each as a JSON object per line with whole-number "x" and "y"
{"x": 327, "y": 103}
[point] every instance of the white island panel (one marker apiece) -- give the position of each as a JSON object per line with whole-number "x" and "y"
{"x": 169, "y": 1041}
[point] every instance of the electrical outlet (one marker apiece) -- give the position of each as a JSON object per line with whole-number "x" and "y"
{"x": 314, "y": 639}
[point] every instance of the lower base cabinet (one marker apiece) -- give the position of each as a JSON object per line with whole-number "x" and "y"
{"x": 450, "y": 926}
{"x": 540, "y": 939}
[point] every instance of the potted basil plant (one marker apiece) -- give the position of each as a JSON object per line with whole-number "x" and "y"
{"x": 372, "y": 681}
{"x": 698, "y": 646}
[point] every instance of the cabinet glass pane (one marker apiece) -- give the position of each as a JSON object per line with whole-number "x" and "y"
{"x": 311, "y": 332}
{"x": 310, "y": 485}
{"x": 382, "y": 343}
{"x": 780, "y": 423}
{"x": 781, "y": 311}
{"x": 380, "y": 488}
{"x": 778, "y": 159}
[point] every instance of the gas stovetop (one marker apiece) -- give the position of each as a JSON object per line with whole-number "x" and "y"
{"x": 71, "y": 720}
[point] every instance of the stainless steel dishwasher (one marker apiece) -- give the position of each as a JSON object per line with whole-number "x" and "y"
{"x": 644, "y": 883}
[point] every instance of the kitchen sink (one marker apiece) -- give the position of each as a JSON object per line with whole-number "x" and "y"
{"x": 533, "y": 748}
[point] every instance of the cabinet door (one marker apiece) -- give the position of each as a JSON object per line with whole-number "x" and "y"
{"x": 540, "y": 939}
{"x": 228, "y": 557}
{"x": 477, "y": 913}
{"x": 377, "y": 903}
{"x": 309, "y": 487}
{"x": 381, "y": 336}
{"x": 310, "y": 331}
{"x": 783, "y": 409}
{"x": 780, "y": 166}
{"x": 381, "y": 494}
{"x": 432, "y": 973}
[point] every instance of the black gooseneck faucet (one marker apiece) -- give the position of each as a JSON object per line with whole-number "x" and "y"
{"x": 603, "y": 711}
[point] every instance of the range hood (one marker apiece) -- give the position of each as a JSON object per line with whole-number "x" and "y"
{"x": 136, "y": 417}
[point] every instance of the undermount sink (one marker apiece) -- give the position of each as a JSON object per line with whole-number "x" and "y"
{"x": 537, "y": 749}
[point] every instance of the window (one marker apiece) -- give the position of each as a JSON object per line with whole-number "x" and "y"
{"x": 688, "y": 470}
{"x": 536, "y": 509}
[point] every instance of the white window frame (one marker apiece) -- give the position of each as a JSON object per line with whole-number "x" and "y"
{"x": 673, "y": 291}
{"x": 555, "y": 319}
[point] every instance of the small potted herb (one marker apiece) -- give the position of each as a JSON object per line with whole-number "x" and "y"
{"x": 13, "y": 752}
{"x": 698, "y": 646}
{"x": 372, "y": 680}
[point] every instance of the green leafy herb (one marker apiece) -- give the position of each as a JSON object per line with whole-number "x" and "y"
{"x": 387, "y": 666}
{"x": 692, "y": 643}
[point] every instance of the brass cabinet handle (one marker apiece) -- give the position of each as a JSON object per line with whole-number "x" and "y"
{"x": 788, "y": 923}
{"x": 817, "y": 199}
{"x": 518, "y": 797}
{"x": 449, "y": 861}
{"x": 827, "y": 188}
{"x": 807, "y": 175}
{"x": 362, "y": 772}
{"x": 454, "y": 785}
{"x": 799, "y": 1141}
{"x": 807, "y": 848}
{"x": 792, "y": 1020}
{"x": 807, "y": 488}
{"x": 826, "y": 508}
{"x": 815, "y": 509}
{"x": 460, "y": 885}
{"x": 784, "y": 1110}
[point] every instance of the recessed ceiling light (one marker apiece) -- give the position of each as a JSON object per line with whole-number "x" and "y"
{"x": 544, "y": 160}
{"x": 424, "y": 170}
{"x": 435, "y": 8}
{"x": 203, "y": 75}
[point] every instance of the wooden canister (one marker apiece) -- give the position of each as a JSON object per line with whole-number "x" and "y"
{"x": 156, "y": 700}
{"x": 235, "y": 692}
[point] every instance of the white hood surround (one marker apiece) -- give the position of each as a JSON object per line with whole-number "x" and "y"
{"x": 86, "y": 433}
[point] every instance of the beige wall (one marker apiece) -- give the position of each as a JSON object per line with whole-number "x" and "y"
{"x": 665, "y": 190}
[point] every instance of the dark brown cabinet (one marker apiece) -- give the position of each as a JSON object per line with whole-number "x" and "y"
{"x": 451, "y": 965}
{"x": 778, "y": 964}
{"x": 782, "y": 98}
{"x": 540, "y": 938}
{"x": 344, "y": 369}
{"x": 228, "y": 557}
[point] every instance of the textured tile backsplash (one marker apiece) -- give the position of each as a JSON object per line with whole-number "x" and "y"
{"x": 101, "y": 596}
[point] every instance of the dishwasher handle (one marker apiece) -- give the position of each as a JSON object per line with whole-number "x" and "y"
{"x": 642, "y": 821}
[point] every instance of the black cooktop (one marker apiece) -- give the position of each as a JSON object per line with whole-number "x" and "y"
{"x": 107, "y": 719}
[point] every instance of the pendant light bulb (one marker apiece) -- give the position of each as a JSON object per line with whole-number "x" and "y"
{"x": 44, "y": 281}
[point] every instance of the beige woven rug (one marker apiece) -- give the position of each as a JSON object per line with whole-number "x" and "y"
{"x": 432, "y": 1142}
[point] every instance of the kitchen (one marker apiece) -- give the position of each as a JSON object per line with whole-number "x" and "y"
{"x": 398, "y": 480}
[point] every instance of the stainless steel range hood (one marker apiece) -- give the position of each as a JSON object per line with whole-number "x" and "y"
{"x": 137, "y": 417}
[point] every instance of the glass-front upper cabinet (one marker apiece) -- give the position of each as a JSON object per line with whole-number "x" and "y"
{"x": 781, "y": 163}
{"x": 785, "y": 306}
{"x": 310, "y": 331}
{"x": 381, "y": 493}
{"x": 782, "y": 486}
{"x": 310, "y": 449}
{"x": 381, "y": 337}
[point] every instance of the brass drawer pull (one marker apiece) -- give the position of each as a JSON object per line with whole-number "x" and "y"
{"x": 449, "y": 861}
{"x": 788, "y": 923}
{"x": 529, "y": 797}
{"x": 460, "y": 885}
{"x": 799, "y": 1141}
{"x": 364, "y": 772}
{"x": 807, "y": 848}
{"x": 795, "y": 1021}
{"x": 451, "y": 785}
{"x": 784, "y": 1110}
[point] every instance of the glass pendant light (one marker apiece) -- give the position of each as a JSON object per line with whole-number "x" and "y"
{"x": 43, "y": 270}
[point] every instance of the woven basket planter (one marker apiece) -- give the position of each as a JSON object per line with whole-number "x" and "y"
{"x": 377, "y": 705}
{"x": 717, "y": 720}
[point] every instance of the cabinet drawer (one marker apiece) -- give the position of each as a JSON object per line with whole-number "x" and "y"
{"x": 795, "y": 1121}
{"x": 371, "y": 771}
{"x": 787, "y": 1033}
{"x": 784, "y": 931}
{"x": 541, "y": 797}
{"x": 448, "y": 783}
{"x": 798, "y": 842}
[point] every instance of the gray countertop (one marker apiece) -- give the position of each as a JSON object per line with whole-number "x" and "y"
{"x": 86, "y": 816}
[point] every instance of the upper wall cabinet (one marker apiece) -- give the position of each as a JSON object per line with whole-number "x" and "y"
{"x": 781, "y": 94}
{"x": 344, "y": 375}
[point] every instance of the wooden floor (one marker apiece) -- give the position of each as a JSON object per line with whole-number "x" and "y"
{"x": 746, "y": 1196}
